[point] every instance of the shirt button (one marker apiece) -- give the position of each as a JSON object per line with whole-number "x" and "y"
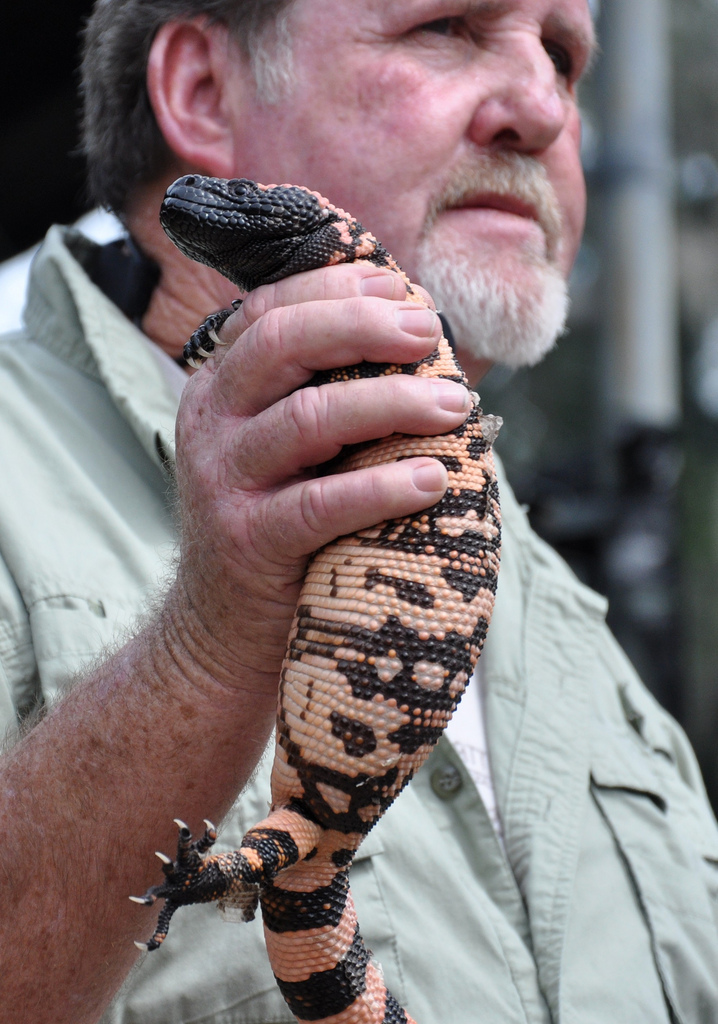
{"x": 446, "y": 781}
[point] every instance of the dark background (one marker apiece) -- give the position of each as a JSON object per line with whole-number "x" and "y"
{"x": 41, "y": 174}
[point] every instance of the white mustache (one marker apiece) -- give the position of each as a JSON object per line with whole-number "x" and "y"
{"x": 504, "y": 174}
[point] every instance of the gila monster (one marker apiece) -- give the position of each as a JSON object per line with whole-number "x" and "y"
{"x": 389, "y": 625}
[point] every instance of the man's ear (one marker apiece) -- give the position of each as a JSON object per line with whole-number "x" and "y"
{"x": 191, "y": 69}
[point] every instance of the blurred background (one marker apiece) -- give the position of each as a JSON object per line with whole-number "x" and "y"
{"x": 612, "y": 442}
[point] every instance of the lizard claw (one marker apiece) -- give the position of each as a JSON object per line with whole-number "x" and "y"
{"x": 205, "y": 339}
{"x": 192, "y": 878}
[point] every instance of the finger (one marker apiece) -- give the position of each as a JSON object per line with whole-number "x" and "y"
{"x": 282, "y": 350}
{"x": 422, "y": 294}
{"x": 325, "y": 284}
{"x": 329, "y": 283}
{"x": 343, "y": 281}
{"x": 302, "y": 518}
{"x": 312, "y": 425}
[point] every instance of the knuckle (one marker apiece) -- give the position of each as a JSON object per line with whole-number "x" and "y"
{"x": 363, "y": 323}
{"x": 257, "y": 303}
{"x": 374, "y": 485}
{"x": 336, "y": 281}
{"x": 314, "y": 509}
{"x": 307, "y": 410}
{"x": 403, "y": 387}
{"x": 364, "y": 315}
{"x": 348, "y": 317}
{"x": 269, "y": 334}
{"x": 341, "y": 281}
{"x": 405, "y": 396}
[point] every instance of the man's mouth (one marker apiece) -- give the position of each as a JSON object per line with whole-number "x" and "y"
{"x": 508, "y": 183}
{"x": 501, "y": 203}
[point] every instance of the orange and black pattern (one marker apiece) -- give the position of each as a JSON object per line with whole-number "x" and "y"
{"x": 388, "y": 628}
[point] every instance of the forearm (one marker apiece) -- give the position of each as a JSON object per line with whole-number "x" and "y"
{"x": 88, "y": 796}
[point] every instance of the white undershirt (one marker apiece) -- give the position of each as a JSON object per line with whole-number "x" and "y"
{"x": 467, "y": 728}
{"x": 173, "y": 374}
{"x": 467, "y": 732}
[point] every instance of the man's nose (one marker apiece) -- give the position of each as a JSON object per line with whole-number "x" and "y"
{"x": 525, "y": 109}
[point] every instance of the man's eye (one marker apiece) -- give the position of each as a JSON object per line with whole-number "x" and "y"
{"x": 560, "y": 57}
{"x": 441, "y": 26}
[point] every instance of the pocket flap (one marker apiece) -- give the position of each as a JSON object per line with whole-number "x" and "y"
{"x": 635, "y": 768}
{"x": 628, "y": 767}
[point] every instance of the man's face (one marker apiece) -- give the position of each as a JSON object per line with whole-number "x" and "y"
{"x": 450, "y": 128}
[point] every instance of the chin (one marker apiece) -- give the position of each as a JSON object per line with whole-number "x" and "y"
{"x": 508, "y": 310}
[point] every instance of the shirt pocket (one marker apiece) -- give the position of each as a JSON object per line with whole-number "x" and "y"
{"x": 68, "y": 632}
{"x": 668, "y": 842}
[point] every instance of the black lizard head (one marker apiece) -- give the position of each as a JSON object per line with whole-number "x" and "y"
{"x": 250, "y": 233}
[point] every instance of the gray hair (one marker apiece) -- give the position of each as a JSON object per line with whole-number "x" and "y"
{"x": 122, "y": 142}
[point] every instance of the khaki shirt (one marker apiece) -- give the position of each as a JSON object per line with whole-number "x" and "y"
{"x": 603, "y": 907}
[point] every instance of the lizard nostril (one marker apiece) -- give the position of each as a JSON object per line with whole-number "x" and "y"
{"x": 190, "y": 181}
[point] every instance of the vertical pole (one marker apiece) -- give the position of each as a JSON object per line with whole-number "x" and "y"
{"x": 643, "y": 407}
{"x": 640, "y": 233}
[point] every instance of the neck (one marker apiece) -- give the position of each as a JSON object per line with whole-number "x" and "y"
{"x": 187, "y": 292}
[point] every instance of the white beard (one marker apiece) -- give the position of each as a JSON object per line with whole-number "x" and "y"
{"x": 490, "y": 317}
{"x": 509, "y": 307}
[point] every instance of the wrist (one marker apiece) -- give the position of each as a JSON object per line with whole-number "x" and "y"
{"x": 223, "y": 649}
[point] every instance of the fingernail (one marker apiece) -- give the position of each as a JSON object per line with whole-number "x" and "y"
{"x": 381, "y": 286}
{"x": 451, "y": 397}
{"x": 430, "y": 477}
{"x": 422, "y": 323}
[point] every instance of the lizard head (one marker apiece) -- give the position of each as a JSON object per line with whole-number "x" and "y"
{"x": 252, "y": 234}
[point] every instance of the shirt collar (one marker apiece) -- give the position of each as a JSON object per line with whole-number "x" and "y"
{"x": 70, "y": 316}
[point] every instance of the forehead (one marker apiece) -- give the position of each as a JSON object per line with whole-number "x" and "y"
{"x": 568, "y": 15}
{"x": 332, "y": 24}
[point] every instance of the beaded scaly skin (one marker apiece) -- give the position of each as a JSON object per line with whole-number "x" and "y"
{"x": 389, "y": 625}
